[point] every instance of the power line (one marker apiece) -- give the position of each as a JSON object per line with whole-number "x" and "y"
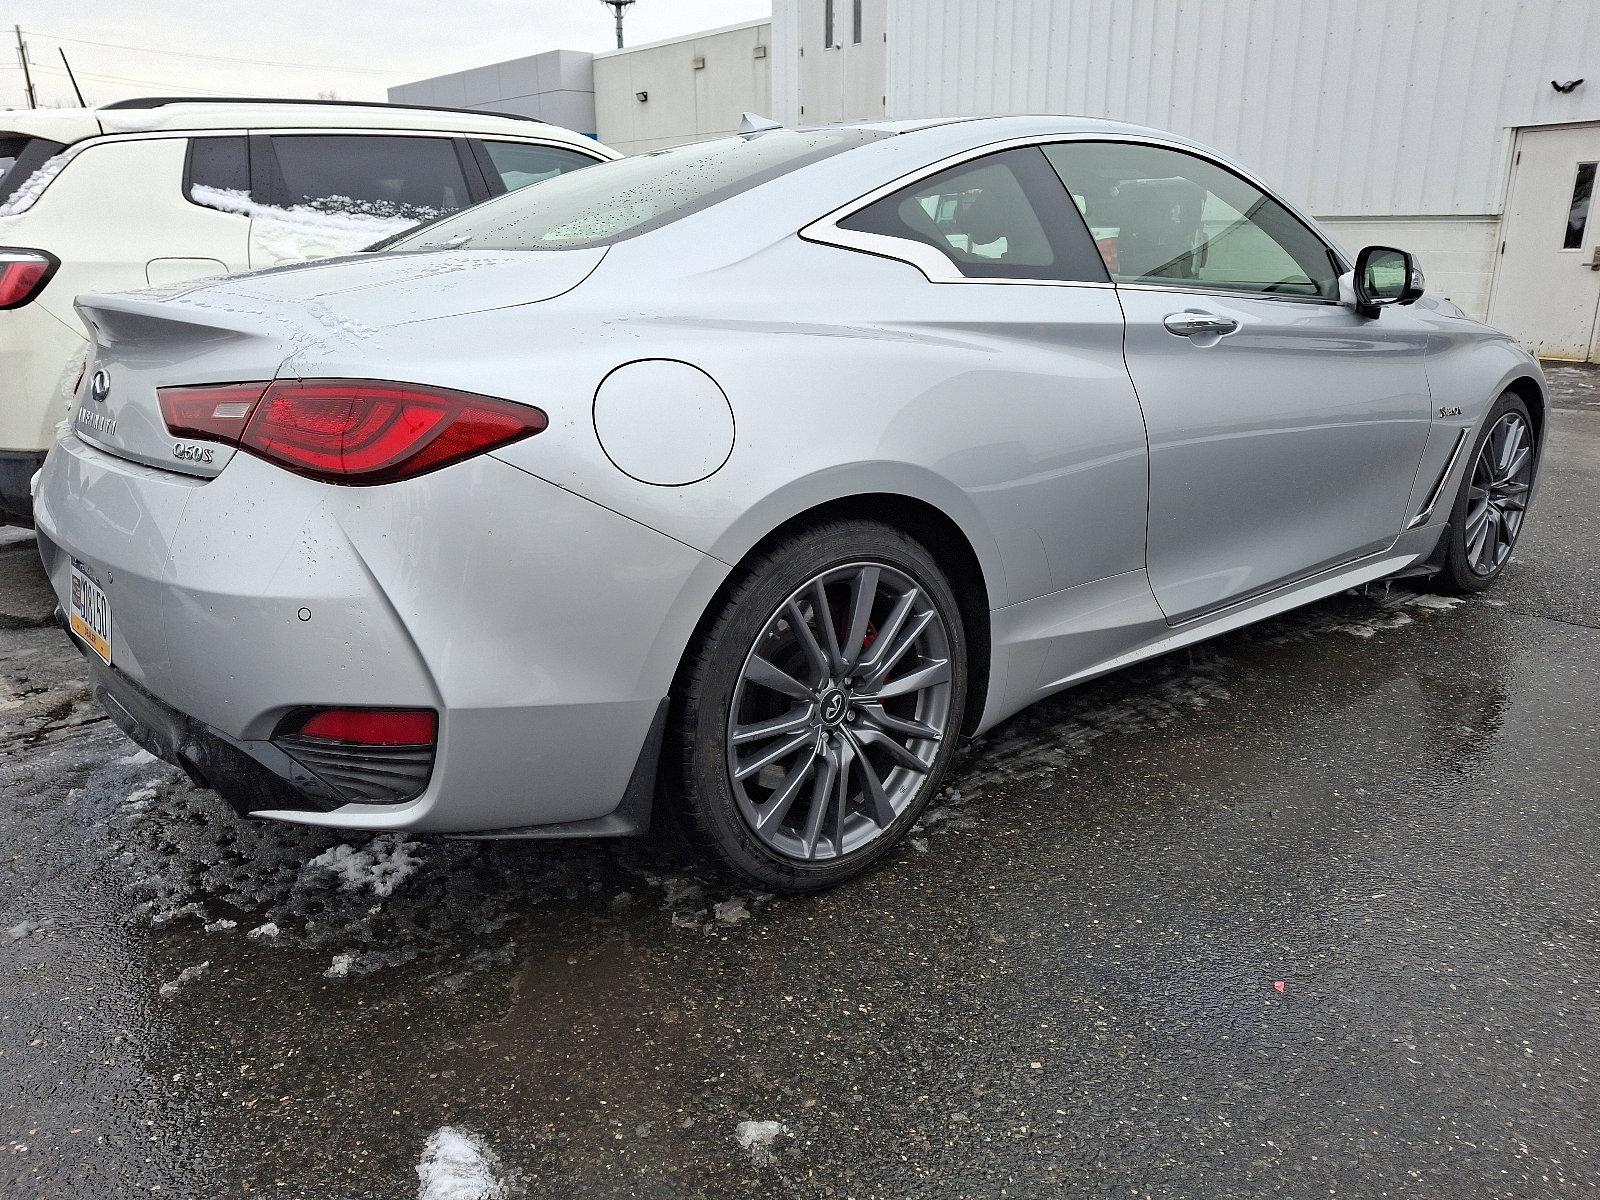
{"x": 258, "y": 62}
{"x": 155, "y": 83}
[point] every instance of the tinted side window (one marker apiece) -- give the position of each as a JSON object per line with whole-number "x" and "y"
{"x": 416, "y": 179}
{"x": 1004, "y": 216}
{"x": 20, "y": 157}
{"x": 217, "y": 164}
{"x": 517, "y": 164}
{"x": 1163, "y": 216}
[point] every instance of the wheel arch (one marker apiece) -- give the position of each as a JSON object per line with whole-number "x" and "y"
{"x": 1532, "y": 393}
{"x": 950, "y": 544}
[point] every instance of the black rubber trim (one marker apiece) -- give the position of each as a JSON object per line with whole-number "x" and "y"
{"x": 364, "y": 774}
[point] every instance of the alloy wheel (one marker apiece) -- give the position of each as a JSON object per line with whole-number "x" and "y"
{"x": 1497, "y": 496}
{"x": 839, "y": 711}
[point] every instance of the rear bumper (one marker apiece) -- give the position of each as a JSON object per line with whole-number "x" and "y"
{"x": 251, "y": 776}
{"x": 543, "y": 629}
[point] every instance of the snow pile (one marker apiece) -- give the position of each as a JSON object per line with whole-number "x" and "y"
{"x": 380, "y": 866}
{"x": 303, "y": 231}
{"x": 758, "y": 1138}
{"x": 456, "y": 1165}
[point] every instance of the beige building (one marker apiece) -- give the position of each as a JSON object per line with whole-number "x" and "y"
{"x": 682, "y": 89}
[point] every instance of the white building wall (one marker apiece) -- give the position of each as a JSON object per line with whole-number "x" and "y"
{"x": 1354, "y": 107}
{"x": 556, "y": 86}
{"x": 1392, "y": 120}
{"x": 686, "y": 103}
{"x": 818, "y": 80}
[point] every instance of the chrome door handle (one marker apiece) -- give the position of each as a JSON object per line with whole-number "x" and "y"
{"x": 1193, "y": 324}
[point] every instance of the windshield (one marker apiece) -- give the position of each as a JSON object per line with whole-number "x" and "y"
{"x": 615, "y": 200}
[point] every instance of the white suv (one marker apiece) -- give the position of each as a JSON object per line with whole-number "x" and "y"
{"x": 143, "y": 193}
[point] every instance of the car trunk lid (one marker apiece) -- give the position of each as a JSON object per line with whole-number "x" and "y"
{"x": 262, "y": 326}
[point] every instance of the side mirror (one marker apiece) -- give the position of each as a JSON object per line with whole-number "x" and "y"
{"x": 1384, "y": 275}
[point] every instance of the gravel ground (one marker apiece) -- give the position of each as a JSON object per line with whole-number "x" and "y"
{"x": 1309, "y": 910}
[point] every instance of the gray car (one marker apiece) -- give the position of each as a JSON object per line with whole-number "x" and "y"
{"x": 747, "y": 478}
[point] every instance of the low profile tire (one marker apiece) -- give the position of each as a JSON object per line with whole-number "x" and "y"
{"x": 1489, "y": 509}
{"x": 821, "y": 708}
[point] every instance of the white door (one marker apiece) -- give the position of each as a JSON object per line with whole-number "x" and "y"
{"x": 1547, "y": 289}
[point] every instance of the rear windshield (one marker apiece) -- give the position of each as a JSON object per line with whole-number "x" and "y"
{"x": 20, "y": 156}
{"x": 615, "y": 200}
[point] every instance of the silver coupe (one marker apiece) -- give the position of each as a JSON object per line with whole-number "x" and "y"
{"x": 744, "y": 480}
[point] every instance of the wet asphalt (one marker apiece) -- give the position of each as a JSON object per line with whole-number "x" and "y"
{"x": 1311, "y": 910}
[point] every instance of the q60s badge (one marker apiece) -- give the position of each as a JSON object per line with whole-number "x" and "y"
{"x": 189, "y": 452}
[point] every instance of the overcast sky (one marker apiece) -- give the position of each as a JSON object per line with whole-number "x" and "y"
{"x": 123, "y": 48}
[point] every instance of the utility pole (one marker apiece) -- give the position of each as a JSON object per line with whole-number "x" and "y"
{"x": 27, "y": 75}
{"x": 619, "y": 7}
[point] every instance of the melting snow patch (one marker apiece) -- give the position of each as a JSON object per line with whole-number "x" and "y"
{"x": 170, "y": 988}
{"x": 1429, "y": 601}
{"x": 26, "y": 929}
{"x": 263, "y": 932}
{"x": 304, "y": 232}
{"x": 340, "y": 967}
{"x": 458, "y": 1166}
{"x": 35, "y": 184}
{"x": 380, "y": 866}
{"x": 1366, "y": 629}
{"x": 220, "y": 926}
{"x": 138, "y": 758}
{"x": 758, "y": 1137}
{"x": 731, "y": 912}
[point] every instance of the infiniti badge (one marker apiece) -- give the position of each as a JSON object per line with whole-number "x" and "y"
{"x": 100, "y": 386}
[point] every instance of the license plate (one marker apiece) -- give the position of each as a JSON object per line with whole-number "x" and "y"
{"x": 90, "y": 613}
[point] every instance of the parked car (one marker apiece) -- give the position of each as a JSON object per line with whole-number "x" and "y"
{"x": 755, "y": 474}
{"x": 161, "y": 191}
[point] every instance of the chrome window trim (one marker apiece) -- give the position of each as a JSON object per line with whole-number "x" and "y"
{"x": 1231, "y": 293}
{"x": 939, "y": 268}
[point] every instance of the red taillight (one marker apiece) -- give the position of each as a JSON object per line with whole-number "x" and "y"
{"x": 214, "y": 413}
{"x": 357, "y": 431}
{"x": 23, "y": 274}
{"x": 373, "y": 726}
{"x": 369, "y": 431}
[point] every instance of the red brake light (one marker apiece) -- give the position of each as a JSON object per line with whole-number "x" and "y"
{"x": 371, "y": 431}
{"x": 211, "y": 413}
{"x": 374, "y": 727}
{"x": 23, "y": 274}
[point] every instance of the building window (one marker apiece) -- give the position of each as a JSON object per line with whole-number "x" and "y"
{"x": 856, "y": 17}
{"x": 827, "y": 25}
{"x": 1578, "y": 214}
